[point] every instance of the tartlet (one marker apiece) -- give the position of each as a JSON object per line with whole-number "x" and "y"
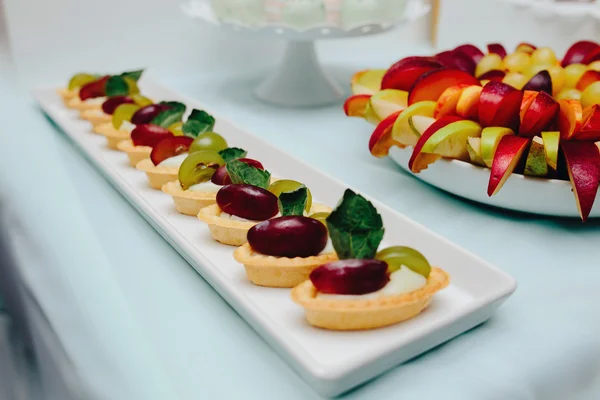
{"x": 360, "y": 314}
{"x": 85, "y": 105}
{"x": 67, "y": 95}
{"x": 134, "y": 153}
{"x": 113, "y": 136}
{"x": 157, "y": 175}
{"x": 96, "y": 116}
{"x": 188, "y": 202}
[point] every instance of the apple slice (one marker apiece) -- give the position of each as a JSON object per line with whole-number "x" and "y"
{"x": 419, "y": 160}
{"x": 499, "y": 105}
{"x": 401, "y": 131}
{"x": 472, "y": 51}
{"x": 490, "y": 138}
{"x": 457, "y": 60}
{"x": 540, "y": 114}
{"x": 419, "y": 124}
{"x": 540, "y": 82}
{"x": 474, "y": 149}
{"x": 170, "y": 147}
{"x": 446, "y": 104}
{"x": 551, "y": 142}
{"x": 367, "y": 81}
{"x": 431, "y": 85}
{"x": 588, "y": 77}
{"x": 528, "y": 97}
{"x": 405, "y": 72}
{"x": 590, "y": 128}
{"x": 388, "y": 102}
{"x": 583, "y": 165}
{"x": 355, "y": 106}
{"x": 535, "y": 164}
{"x": 578, "y": 52}
{"x": 507, "y": 157}
{"x": 381, "y": 139}
{"x": 468, "y": 102}
{"x": 497, "y": 48}
{"x": 570, "y": 118}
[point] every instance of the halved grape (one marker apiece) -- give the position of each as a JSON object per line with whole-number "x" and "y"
{"x": 199, "y": 167}
{"x": 221, "y": 176}
{"x": 208, "y": 141}
{"x": 397, "y": 256}
{"x": 290, "y": 236}
{"x": 350, "y": 277}
{"x": 289, "y": 185}
{"x": 93, "y": 89}
{"x": 79, "y": 80}
{"x": 112, "y": 103}
{"x": 247, "y": 201}
{"x": 170, "y": 147}
{"x": 132, "y": 85}
{"x": 176, "y": 128}
{"x": 149, "y": 135}
{"x": 146, "y": 114}
{"x": 321, "y": 217}
{"x": 124, "y": 112}
{"x": 140, "y": 100}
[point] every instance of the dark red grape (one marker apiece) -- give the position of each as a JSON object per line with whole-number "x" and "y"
{"x": 170, "y": 147}
{"x": 149, "y": 135}
{"x": 112, "y": 103}
{"x": 290, "y": 236}
{"x": 93, "y": 89}
{"x": 247, "y": 201}
{"x": 221, "y": 177}
{"x": 145, "y": 115}
{"x": 350, "y": 276}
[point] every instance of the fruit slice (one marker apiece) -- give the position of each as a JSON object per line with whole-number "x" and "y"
{"x": 367, "y": 82}
{"x": 487, "y": 63}
{"x": 540, "y": 82}
{"x": 388, "y": 102}
{"x": 497, "y": 48}
{"x": 570, "y": 118}
{"x": 499, "y": 105}
{"x": 356, "y": 105}
{"x": 474, "y": 149}
{"x": 170, "y": 147}
{"x": 381, "y": 139}
{"x": 539, "y": 115}
{"x": 199, "y": 167}
{"x": 492, "y": 75}
{"x": 79, "y": 80}
{"x": 490, "y": 138}
{"x": 420, "y": 160}
{"x": 398, "y": 256}
{"x": 590, "y": 128}
{"x": 419, "y": 124}
{"x": 124, "y": 112}
{"x": 449, "y": 141}
{"x": 535, "y": 164}
{"x": 109, "y": 106}
{"x": 583, "y": 165}
{"x": 404, "y": 73}
{"x": 578, "y": 51}
{"x": 468, "y": 102}
{"x": 587, "y": 79}
{"x": 432, "y": 84}
{"x": 472, "y": 51}
{"x": 551, "y": 142}
{"x": 208, "y": 141}
{"x": 507, "y": 157}
{"x": 446, "y": 104}
{"x": 289, "y": 185}
{"x": 456, "y": 60}
{"x": 528, "y": 97}
{"x": 149, "y": 135}
{"x": 401, "y": 131}
{"x": 93, "y": 89}
{"x": 525, "y": 48}
{"x": 140, "y": 100}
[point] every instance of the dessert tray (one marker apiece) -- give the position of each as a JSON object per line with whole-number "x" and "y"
{"x": 331, "y": 362}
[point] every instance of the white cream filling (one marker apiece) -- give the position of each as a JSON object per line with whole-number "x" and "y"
{"x": 95, "y": 100}
{"x": 127, "y": 126}
{"x": 405, "y": 280}
{"x": 328, "y": 247}
{"x": 174, "y": 162}
{"x": 205, "y": 187}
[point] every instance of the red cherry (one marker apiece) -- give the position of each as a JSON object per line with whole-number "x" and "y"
{"x": 170, "y": 147}
{"x": 93, "y": 89}
{"x": 110, "y": 105}
{"x": 149, "y": 135}
{"x": 221, "y": 177}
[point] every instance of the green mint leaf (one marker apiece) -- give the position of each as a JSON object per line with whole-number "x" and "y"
{"x": 198, "y": 122}
{"x": 293, "y": 203}
{"x": 355, "y": 227}
{"x": 240, "y": 172}
{"x": 168, "y": 117}
{"x": 135, "y": 75}
{"x": 116, "y": 86}
{"x": 232, "y": 153}
{"x": 202, "y": 117}
{"x": 192, "y": 128}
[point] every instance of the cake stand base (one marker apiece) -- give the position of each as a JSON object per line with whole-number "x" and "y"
{"x": 299, "y": 80}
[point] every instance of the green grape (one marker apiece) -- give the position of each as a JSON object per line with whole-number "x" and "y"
{"x": 199, "y": 167}
{"x": 321, "y": 217}
{"x": 397, "y": 256}
{"x": 79, "y": 80}
{"x": 132, "y": 85}
{"x": 176, "y": 128}
{"x": 208, "y": 141}
{"x": 123, "y": 113}
{"x": 288, "y": 185}
{"x": 140, "y": 100}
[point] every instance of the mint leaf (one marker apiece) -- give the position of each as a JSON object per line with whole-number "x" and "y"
{"x": 135, "y": 75}
{"x": 171, "y": 115}
{"x": 293, "y": 203}
{"x": 198, "y": 122}
{"x": 232, "y": 153}
{"x": 355, "y": 227}
{"x": 202, "y": 117}
{"x": 240, "y": 172}
{"x": 116, "y": 86}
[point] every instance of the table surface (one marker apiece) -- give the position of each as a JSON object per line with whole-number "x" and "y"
{"x": 135, "y": 321}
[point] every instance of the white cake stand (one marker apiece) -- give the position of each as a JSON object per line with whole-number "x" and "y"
{"x": 299, "y": 81}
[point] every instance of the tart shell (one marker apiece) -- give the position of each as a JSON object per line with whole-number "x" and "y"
{"x": 232, "y": 232}
{"x": 67, "y": 95}
{"x": 157, "y": 176}
{"x": 279, "y": 272}
{"x": 95, "y": 118}
{"x": 77, "y": 104}
{"x": 113, "y": 136}
{"x": 134, "y": 153}
{"x": 188, "y": 202}
{"x": 345, "y": 315}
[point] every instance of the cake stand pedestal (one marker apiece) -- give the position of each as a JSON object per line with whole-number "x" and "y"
{"x": 299, "y": 80}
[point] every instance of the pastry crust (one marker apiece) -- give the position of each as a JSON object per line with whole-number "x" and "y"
{"x": 67, "y": 95}
{"x": 134, "y": 153}
{"x": 233, "y": 232}
{"x": 77, "y": 104}
{"x": 188, "y": 202}
{"x": 95, "y": 118}
{"x": 157, "y": 176}
{"x": 113, "y": 136}
{"x": 370, "y": 313}
{"x": 280, "y": 272}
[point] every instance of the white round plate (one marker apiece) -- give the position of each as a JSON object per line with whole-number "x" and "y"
{"x": 520, "y": 193}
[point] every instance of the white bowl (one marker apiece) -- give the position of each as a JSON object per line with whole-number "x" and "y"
{"x": 520, "y": 193}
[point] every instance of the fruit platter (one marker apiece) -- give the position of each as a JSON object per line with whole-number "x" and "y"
{"x": 342, "y": 287}
{"x": 465, "y": 119}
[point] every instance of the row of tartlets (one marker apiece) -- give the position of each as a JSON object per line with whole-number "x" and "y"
{"x": 330, "y": 258}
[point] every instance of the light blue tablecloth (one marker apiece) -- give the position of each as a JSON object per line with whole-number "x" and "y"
{"x": 134, "y": 321}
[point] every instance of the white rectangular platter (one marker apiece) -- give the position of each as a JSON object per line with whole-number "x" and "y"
{"x": 330, "y": 362}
